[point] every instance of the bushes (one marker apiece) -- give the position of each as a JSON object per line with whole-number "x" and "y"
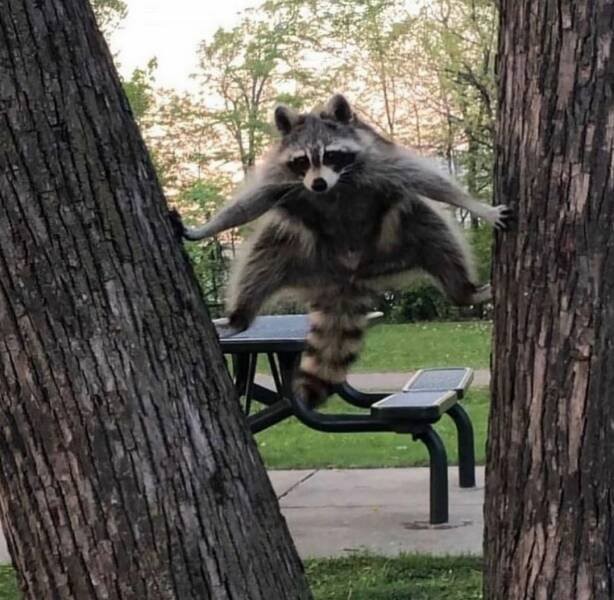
{"x": 481, "y": 245}
{"x": 422, "y": 302}
{"x": 210, "y": 264}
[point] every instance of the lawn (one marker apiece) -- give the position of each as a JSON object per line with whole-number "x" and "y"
{"x": 392, "y": 348}
{"x": 8, "y": 584}
{"x": 366, "y": 577}
{"x": 410, "y": 346}
{"x": 291, "y": 445}
{"x": 409, "y": 577}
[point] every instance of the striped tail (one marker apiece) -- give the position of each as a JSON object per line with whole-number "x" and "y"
{"x": 333, "y": 344}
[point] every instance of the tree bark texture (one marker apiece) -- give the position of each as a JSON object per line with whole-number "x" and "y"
{"x": 550, "y": 464}
{"x": 126, "y": 468}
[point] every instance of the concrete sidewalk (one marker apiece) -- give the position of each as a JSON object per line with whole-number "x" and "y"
{"x": 384, "y": 511}
{"x": 385, "y": 382}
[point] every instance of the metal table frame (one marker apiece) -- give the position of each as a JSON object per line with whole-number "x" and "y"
{"x": 284, "y": 356}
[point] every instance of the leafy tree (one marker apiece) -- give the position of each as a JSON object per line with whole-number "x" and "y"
{"x": 459, "y": 39}
{"x": 210, "y": 258}
{"x": 366, "y": 41}
{"x": 188, "y": 147}
{"x": 242, "y": 73}
{"x": 140, "y": 90}
{"x": 109, "y": 13}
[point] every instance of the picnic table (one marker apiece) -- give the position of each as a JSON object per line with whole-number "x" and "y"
{"x": 427, "y": 396}
{"x": 281, "y": 339}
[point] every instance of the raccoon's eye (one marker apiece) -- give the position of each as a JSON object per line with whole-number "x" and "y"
{"x": 339, "y": 159}
{"x": 300, "y": 164}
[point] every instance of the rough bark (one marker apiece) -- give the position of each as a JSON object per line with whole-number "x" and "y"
{"x": 126, "y": 468}
{"x": 550, "y": 497}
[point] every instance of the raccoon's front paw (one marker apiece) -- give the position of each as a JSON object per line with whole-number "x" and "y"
{"x": 501, "y": 217}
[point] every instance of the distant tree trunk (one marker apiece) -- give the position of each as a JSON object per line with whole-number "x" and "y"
{"x": 472, "y": 177}
{"x": 550, "y": 473}
{"x": 126, "y": 468}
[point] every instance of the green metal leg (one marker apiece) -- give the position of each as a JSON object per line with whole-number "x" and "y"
{"x": 438, "y": 475}
{"x": 466, "y": 446}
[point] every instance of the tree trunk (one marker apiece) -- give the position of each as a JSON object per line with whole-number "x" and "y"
{"x": 126, "y": 468}
{"x": 550, "y": 496}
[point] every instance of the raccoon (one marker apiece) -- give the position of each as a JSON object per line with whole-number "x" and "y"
{"x": 347, "y": 214}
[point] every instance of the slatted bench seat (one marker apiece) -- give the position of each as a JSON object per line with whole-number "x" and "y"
{"x": 430, "y": 394}
{"x": 449, "y": 385}
{"x": 415, "y": 406}
{"x": 425, "y": 407}
{"x": 457, "y": 379}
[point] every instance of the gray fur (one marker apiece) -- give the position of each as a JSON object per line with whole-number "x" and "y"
{"x": 244, "y": 209}
{"x": 260, "y": 192}
{"x": 400, "y": 168}
{"x": 285, "y": 119}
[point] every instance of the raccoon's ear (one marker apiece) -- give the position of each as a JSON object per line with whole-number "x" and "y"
{"x": 285, "y": 119}
{"x": 340, "y": 108}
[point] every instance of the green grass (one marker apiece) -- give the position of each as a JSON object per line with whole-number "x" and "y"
{"x": 365, "y": 577}
{"x": 396, "y": 348}
{"x": 389, "y": 348}
{"x": 291, "y": 445}
{"x": 406, "y": 347}
{"x": 8, "y": 584}
{"x": 409, "y": 577}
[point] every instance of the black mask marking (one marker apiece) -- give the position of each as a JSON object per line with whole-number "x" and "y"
{"x": 299, "y": 165}
{"x": 338, "y": 159}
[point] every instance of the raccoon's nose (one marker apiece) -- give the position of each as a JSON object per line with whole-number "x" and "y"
{"x": 319, "y": 185}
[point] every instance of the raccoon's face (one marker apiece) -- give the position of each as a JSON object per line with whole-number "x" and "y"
{"x": 319, "y": 149}
{"x": 321, "y": 166}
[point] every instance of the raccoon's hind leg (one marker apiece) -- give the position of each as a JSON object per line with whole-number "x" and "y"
{"x": 274, "y": 261}
{"x": 444, "y": 255}
{"x": 338, "y": 320}
{"x": 414, "y": 236}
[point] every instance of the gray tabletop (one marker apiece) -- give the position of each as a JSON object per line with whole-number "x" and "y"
{"x": 276, "y": 333}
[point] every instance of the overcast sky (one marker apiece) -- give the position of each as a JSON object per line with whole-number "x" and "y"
{"x": 170, "y": 30}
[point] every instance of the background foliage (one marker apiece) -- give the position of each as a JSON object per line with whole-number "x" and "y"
{"x": 422, "y": 72}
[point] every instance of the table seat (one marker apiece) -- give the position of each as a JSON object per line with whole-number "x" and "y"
{"x": 441, "y": 379}
{"x": 426, "y": 407}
